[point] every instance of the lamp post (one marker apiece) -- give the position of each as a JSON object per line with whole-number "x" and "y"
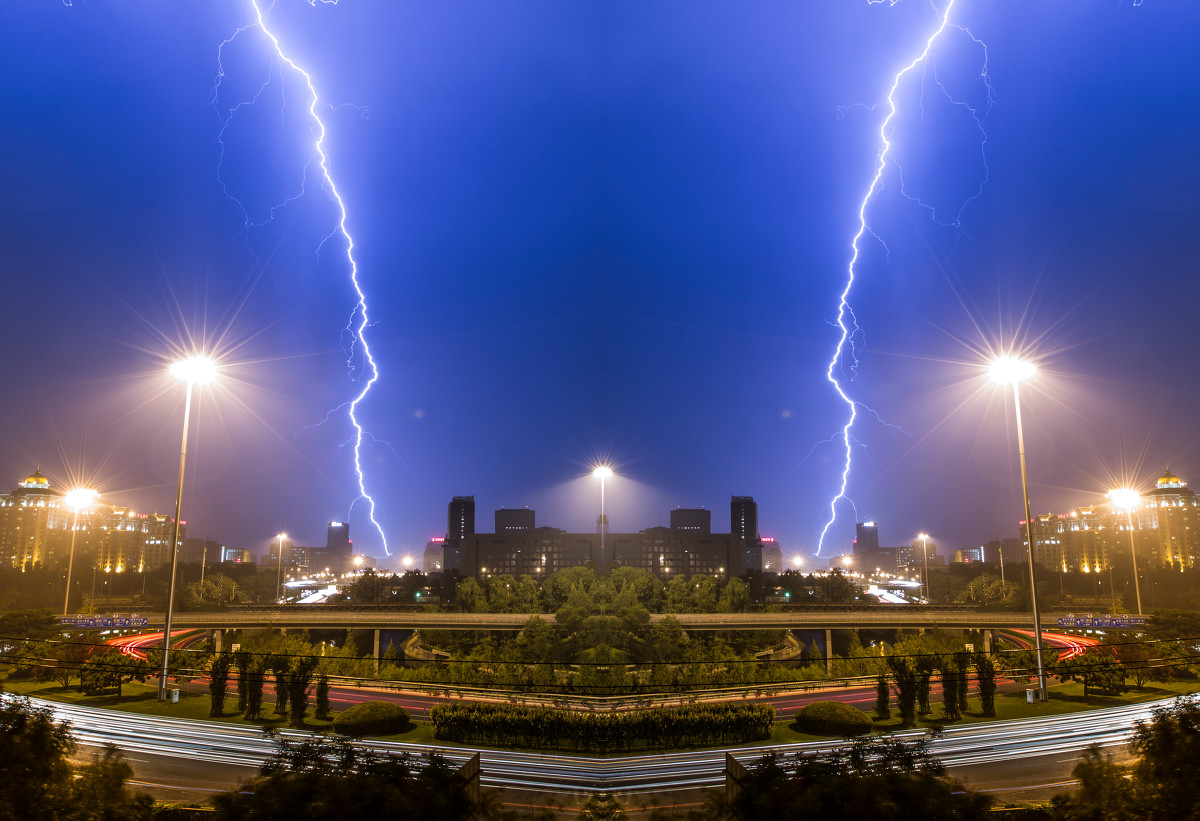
{"x": 195, "y": 370}
{"x": 1127, "y": 499}
{"x": 924, "y": 537}
{"x": 79, "y": 499}
{"x": 1011, "y": 370}
{"x": 602, "y": 473}
{"x": 279, "y": 568}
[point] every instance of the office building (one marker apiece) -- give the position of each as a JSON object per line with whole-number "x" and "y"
{"x": 691, "y": 520}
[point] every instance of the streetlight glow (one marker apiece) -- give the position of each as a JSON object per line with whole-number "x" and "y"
{"x": 195, "y": 370}
{"x": 1009, "y": 370}
{"x": 80, "y": 499}
{"x": 603, "y": 472}
{"x": 407, "y": 561}
{"x": 1125, "y": 498}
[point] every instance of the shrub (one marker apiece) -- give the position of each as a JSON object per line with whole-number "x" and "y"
{"x": 832, "y": 718}
{"x": 371, "y": 718}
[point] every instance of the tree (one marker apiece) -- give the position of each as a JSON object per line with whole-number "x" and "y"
{"x": 925, "y": 664}
{"x": 252, "y": 680}
{"x": 108, "y": 668}
{"x": 38, "y": 783}
{"x": 1097, "y": 669}
{"x": 243, "y": 661}
{"x": 317, "y": 779}
{"x": 962, "y": 669}
{"x": 299, "y": 677}
{"x": 985, "y": 670}
{"x": 471, "y": 597}
{"x": 878, "y": 778}
{"x": 950, "y": 691}
{"x": 322, "y": 697}
{"x": 904, "y": 673}
{"x": 735, "y": 598}
{"x": 218, "y": 682}
{"x": 883, "y": 698}
{"x": 1103, "y": 794}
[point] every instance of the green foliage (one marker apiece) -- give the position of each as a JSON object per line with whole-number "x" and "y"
{"x": 323, "y": 706}
{"x": 218, "y": 682}
{"x": 661, "y": 728}
{"x": 883, "y": 698}
{"x": 1098, "y": 669}
{"x": 985, "y": 669}
{"x": 319, "y": 779}
{"x": 885, "y": 779}
{"x": 299, "y": 677}
{"x": 38, "y": 782}
{"x": 1161, "y": 783}
{"x": 950, "y": 692}
{"x": 252, "y": 681}
{"x": 33, "y": 625}
{"x": 371, "y": 718}
{"x": 832, "y": 718}
{"x": 925, "y": 665}
{"x": 904, "y": 674}
{"x": 107, "y": 669}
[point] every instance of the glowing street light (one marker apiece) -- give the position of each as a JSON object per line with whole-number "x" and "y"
{"x": 1128, "y": 499}
{"x": 1011, "y": 370}
{"x": 602, "y": 472}
{"x": 924, "y": 537}
{"x": 78, "y": 500}
{"x": 194, "y": 370}
{"x": 407, "y": 561}
{"x": 797, "y": 561}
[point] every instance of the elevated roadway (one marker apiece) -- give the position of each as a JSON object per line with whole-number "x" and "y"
{"x": 899, "y": 617}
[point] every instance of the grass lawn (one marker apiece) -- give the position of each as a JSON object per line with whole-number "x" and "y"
{"x": 1064, "y": 698}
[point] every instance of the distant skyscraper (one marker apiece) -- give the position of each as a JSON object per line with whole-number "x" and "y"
{"x": 743, "y": 518}
{"x": 337, "y": 538}
{"x": 434, "y": 556}
{"x": 866, "y": 537}
{"x": 515, "y": 520}
{"x": 460, "y": 519}
{"x": 692, "y": 520}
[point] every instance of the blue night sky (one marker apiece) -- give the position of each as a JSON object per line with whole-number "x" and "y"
{"x": 600, "y": 231}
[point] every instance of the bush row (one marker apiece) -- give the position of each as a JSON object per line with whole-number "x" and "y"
{"x": 544, "y": 728}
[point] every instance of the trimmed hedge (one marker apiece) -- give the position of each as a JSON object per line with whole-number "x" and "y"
{"x": 543, "y": 728}
{"x": 832, "y": 718}
{"x": 371, "y": 718}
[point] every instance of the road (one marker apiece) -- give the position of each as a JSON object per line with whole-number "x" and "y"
{"x": 192, "y": 759}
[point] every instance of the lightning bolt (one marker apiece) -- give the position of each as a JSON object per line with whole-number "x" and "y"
{"x": 846, "y": 322}
{"x": 359, "y": 318}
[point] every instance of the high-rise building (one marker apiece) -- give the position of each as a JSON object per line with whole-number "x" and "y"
{"x": 692, "y": 520}
{"x": 1172, "y": 513}
{"x": 743, "y": 518}
{"x": 337, "y": 538}
{"x": 460, "y": 519}
{"x": 515, "y": 520}
{"x": 866, "y": 537}
{"x": 34, "y": 523}
{"x": 431, "y": 561}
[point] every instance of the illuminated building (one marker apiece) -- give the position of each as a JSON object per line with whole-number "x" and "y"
{"x": 35, "y": 530}
{"x": 431, "y": 561}
{"x": 518, "y": 548}
{"x": 34, "y": 523}
{"x": 1166, "y": 531}
{"x": 772, "y": 556}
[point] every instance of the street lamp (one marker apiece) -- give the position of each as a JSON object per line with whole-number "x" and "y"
{"x": 78, "y": 500}
{"x": 279, "y": 568}
{"x": 924, "y": 537}
{"x": 1011, "y": 370}
{"x": 602, "y": 473}
{"x": 194, "y": 370}
{"x": 1127, "y": 499}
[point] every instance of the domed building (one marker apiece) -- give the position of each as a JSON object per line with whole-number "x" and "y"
{"x": 33, "y": 520}
{"x": 1168, "y": 520}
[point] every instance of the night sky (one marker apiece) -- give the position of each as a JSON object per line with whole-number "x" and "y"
{"x": 600, "y": 231}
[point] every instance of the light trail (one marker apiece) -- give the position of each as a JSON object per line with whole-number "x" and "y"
{"x": 359, "y": 319}
{"x": 992, "y": 743}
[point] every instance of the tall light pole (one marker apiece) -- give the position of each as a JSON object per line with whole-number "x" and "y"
{"x": 79, "y": 499}
{"x": 924, "y": 537}
{"x": 195, "y": 370}
{"x": 602, "y": 473}
{"x": 1011, "y": 370}
{"x": 279, "y": 568}
{"x": 1127, "y": 499}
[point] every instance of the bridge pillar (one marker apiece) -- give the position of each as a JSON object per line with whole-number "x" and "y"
{"x": 218, "y": 637}
{"x": 377, "y": 636}
{"x": 829, "y": 654}
{"x": 987, "y": 642}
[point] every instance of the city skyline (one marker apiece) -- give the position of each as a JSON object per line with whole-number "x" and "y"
{"x": 604, "y": 233}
